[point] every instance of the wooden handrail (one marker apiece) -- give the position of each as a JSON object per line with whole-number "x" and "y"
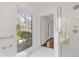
{"x": 49, "y": 39}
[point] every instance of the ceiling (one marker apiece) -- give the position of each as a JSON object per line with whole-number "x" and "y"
{"x": 47, "y": 5}
{"x": 43, "y": 5}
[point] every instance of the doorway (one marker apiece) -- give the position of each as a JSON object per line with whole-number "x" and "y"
{"x": 47, "y": 31}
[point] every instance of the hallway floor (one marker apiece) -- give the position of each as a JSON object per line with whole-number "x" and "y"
{"x": 43, "y": 52}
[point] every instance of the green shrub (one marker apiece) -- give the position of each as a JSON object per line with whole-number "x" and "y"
{"x": 24, "y": 35}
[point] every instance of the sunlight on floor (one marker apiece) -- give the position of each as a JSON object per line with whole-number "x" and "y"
{"x": 43, "y": 52}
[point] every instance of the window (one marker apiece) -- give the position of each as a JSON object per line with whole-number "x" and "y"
{"x": 24, "y": 30}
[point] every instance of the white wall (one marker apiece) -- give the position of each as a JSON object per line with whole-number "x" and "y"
{"x": 44, "y": 30}
{"x": 71, "y": 49}
{"x": 7, "y": 28}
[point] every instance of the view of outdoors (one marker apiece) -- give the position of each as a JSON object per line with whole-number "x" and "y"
{"x": 24, "y": 30}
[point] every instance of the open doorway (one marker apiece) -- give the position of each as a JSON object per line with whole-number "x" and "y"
{"x": 47, "y": 31}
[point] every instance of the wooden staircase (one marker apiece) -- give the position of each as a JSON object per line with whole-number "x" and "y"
{"x": 49, "y": 43}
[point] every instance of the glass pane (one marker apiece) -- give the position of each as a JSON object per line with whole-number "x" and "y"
{"x": 24, "y": 30}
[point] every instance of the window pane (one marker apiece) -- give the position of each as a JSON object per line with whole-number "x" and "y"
{"x": 24, "y": 30}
